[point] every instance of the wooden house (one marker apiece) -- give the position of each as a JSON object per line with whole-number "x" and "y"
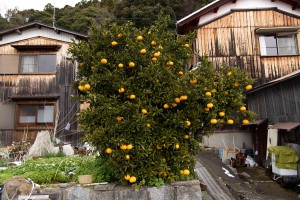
{"x": 261, "y": 37}
{"x": 36, "y": 83}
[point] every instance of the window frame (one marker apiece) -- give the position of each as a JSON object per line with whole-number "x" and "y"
{"x": 36, "y": 104}
{"x": 38, "y": 63}
{"x": 276, "y": 36}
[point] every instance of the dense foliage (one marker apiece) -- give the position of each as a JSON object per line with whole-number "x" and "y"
{"x": 146, "y": 108}
{"x": 58, "y": 169}
{"x": 80, "y": 17}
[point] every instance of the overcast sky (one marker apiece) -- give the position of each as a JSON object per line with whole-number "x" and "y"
{"x": 33, "y": 4}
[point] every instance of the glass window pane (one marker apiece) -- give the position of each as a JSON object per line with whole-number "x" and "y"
{"x": 47, "y": 63}
{"x": 45, "y": 114}
{"x": 268, "y": 45}
{"x": 271, "y": 51}
{"x": 287, "y": 45}
{"x": 270, "y": 41}
{"x": 27, "y": 114}
{"x": 29, "y": 64}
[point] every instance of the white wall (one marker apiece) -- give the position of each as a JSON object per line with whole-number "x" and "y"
{"x": 239, "y": 137}
{"x": 248, "y": 4}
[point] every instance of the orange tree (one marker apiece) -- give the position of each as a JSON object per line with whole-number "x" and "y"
{"x": 145, "y": 106}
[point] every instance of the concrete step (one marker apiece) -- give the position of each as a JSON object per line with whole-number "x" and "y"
{"x": 213, "y": 187}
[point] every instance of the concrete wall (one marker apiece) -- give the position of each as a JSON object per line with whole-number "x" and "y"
{"x": 241, "y": 139}
{"x": 182, "y": 190}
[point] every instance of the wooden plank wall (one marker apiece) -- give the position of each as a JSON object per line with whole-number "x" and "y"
{"x": 279, "y": 102}
{"x": 59, "y": 84}
{"x": 68, "y": 107}
{"x": 231, "y": 41}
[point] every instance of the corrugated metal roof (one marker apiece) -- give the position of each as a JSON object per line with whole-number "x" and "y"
{"x": 288, "y": 126}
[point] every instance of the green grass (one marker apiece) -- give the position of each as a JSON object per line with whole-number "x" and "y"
{"x": 57, "y": 169}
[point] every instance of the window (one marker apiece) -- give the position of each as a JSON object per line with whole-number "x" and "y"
{"x": 37, "y": 64}
{"x": 35, "y": 114}
{"x": 272, "y": 45}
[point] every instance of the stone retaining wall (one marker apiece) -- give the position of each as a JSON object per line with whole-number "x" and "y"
{"x": 182, "y": 190}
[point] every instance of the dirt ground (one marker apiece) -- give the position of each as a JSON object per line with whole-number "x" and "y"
{"x": 249, "y": 183}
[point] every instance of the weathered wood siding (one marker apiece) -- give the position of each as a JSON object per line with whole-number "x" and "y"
{"x": 61, "y": 53}
{"x": 231, "y": 40}
{"x": 58, "y": 84}
{"x": 279, "y": 102}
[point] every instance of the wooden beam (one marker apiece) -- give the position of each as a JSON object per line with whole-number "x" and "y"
{"x": 273, "y": 0}
{"x": 295, "y": 5}
{"x": 216, "y": 10}
{"x": 234, "y": 1}
{"x": 18, "y": 31}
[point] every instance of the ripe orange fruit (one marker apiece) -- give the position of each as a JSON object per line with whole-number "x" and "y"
{"x": 213, "y": 121}
{"x": 108, "y": 151}
{"x": 139, "y": 38}
{"x": 183, "y": 98}
{"x": 131, "y": 64}
{"x": 81, "y": 64}
{"x": 148, "y": 125}
{"x": 154, "y": 59}
{"x": 213, "y": 91}
{"x": 230, "y": 121}
{"x": 180, "y": 73}
{"x": 243, "y": 108}
{"x": 80, "y": 87}
{"x": 129, "y": 146}
{"x": 221, "y": 121}
{"x": 132, "y": 179}
{"x": 177, "y": 146}
{"x": 114, "y": 43}
{"x": 121, "y": 90}
{"x": 127, "y": 157}
{"x": 158, "y": 146}
{"x": 180, "y": 171}
{"x": 120, "y": 65}
{"x": 236, "y": 84}
{"x": 221, "y": 114}
{"x": 229, "y": 74}
{"x": 132, "y": 96}
{"x": 144, "y": 111}
{"x": 186, "y": 45}
{"x": 156, "y": 54}
{"x": 153, "y": 43}
{"x": 120, "y": 35}
{"x": 164, "y": 174}
{"x": 206, "y": 109}
{"x": 245, "y": 121}
{"x": 210, "y": 105}
{"x": 174, "y": 105}
{"x": 193, "y": 81}
{"x": 187, "y": 123}
{"x": 186, "y": 136}
{"x": 248, "y": 87}
{"x": 177, "y": 100}
{"x": 170, "y": 63}
{"x": 123, "y": 147}
{"x": 226, "y": 92}
{"x": 143, "y": 51}
{"x": 208, "y": 94}
{"x": 118, "y": 118}
{"x": 166, "y": 106}
{"x": 186, "y": 172}
{"x": 103, "y": 61}
{"x": 127, "y": 177}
